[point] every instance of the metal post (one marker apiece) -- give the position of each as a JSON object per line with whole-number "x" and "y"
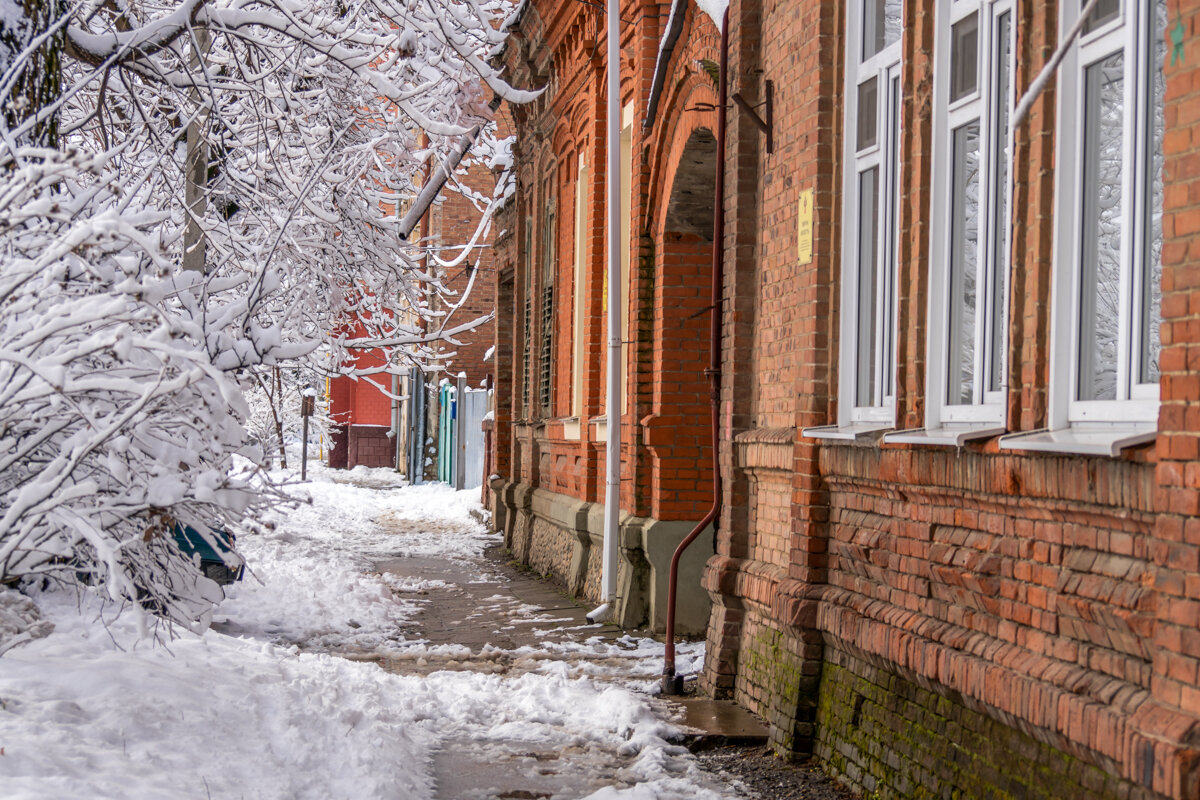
{"x": 460, "y": 432}
{"x": 308, "y": 403}
{"x": 304, "y": 452}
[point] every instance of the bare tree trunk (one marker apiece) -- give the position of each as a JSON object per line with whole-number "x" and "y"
{"x": 40, "y": 80}
{"x": 196, "y": 172}
{"x": 276, "y": 405}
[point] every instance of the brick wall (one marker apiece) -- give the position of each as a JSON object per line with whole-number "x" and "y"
{"x": 665, "y": 327}
{"x": 678, "y": 434}
{"x": 887, "y": 734}
{"x": 454, "y": 222}
{"x": 1043, "y": 606}
{"x": 1174, "y": 548}
{"x": 370, "y": 446}
{"x": 930, "y": 620}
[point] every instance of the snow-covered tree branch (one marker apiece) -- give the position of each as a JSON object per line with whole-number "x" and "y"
{"x": 193, "y": 192}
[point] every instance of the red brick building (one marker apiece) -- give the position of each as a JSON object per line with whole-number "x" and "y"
{"x": 551, "y": 431}
{"x": 958, "y": 551}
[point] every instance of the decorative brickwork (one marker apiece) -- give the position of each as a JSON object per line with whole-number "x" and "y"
{"x": 966, "y": 619}
{"x": 550, "y": 367}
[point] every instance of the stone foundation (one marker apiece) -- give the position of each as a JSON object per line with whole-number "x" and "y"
{"x": 887, "y": 736}
{"x": 561, "y": 536}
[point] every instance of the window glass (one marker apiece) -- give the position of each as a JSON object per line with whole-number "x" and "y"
{"x": 1105, "y": 12}
{"x": 868, "y": 113}
{"x": 1151, "y": 311}
{"x": 1100, "y": 284}
{"x": 1000, "y": 210}
{"x": 964, "y": 57}
{"x": 881, "y": 25}
{"x": 868, "y": 230}
{"x": 964, "y": 257}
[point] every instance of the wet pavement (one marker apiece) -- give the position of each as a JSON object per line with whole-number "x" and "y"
{"x": 488, "y": 615}
{"x": 495, "y": 618}
{"x": 504, "y": 607}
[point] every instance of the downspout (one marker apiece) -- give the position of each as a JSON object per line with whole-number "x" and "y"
{"x": 672, "y": 683}
{"x": 612, "y": 487}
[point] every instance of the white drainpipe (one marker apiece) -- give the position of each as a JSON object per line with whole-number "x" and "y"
{"x": 612, "y": 488}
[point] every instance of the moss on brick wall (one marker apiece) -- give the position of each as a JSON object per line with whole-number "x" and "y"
{"x": 775, "y": 682}
{"x": 887, "y": 737}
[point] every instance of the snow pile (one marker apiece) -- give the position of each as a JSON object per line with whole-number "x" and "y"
{"x": 90, "y": 712}
{"x": 20, "y": 621}
{"x": 93, "y": 710}
{"x": 86, "y": 714}
{"x": 314, "y": 581}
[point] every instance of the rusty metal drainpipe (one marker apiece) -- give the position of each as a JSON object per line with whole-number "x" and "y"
{"x": 672, "y": 683}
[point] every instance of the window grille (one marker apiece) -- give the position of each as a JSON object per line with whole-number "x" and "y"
{"x": 546, "y": 356}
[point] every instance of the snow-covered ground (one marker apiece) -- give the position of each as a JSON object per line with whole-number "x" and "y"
{"x": 260, "y": 707}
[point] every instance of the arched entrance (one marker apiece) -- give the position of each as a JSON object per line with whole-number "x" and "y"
{"x": 678, "y": 431}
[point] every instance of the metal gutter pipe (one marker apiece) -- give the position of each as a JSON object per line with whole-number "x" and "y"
{"x": 671, "y": 683}
{"x": 612, "y": 487}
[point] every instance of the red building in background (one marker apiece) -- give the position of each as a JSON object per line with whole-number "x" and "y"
{"x": 363, "y": 414}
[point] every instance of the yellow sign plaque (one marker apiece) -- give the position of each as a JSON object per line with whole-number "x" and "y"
{"x": 804, "y": 227}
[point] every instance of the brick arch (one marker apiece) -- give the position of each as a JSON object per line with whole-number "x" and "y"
{"x": 687, "y": 108}
{"x": 561, "y": 141}
{"x": 677, "y": 430}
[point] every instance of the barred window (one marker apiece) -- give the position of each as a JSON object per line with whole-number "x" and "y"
{"x": 527, "y": 332}
{"x": 546, "y": 354}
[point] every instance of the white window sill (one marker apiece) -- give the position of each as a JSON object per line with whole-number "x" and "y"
{"x": 854, "y": 432}
{"x": 600, "y": 428}
{"x": 945, "y": 435}
{"x": 1108, "y": 440}
{"x": 571, "y": 428}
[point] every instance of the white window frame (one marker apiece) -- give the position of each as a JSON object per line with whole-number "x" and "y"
{"x": 1106, "y": 425}
{"x": 1133, "y": 415}
{"x": 579, "y": 348}
{"x": 949, "y": 423}
{"x": 856, "y": 420}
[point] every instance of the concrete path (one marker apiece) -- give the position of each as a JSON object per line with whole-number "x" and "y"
{"x": 512, "y": 622}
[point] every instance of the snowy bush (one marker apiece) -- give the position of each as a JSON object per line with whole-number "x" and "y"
{"x": 193, "y": 192}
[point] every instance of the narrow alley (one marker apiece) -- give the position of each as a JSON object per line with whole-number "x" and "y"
{"x": 384, "y": 647}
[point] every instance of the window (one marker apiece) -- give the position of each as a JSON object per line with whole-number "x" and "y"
{"x": 1108, "y": 246}
{"x": 579, "y": 352}
{"x": 969, "y": 223}
{"x": 867, "y": 386}
{"x": 549, "y": 268}
{"x": 527, "y": 334}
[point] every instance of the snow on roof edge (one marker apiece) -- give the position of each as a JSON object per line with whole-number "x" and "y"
{"x": 714, "y": 9}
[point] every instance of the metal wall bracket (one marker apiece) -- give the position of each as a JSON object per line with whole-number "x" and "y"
{"x": 767, "y": 126}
